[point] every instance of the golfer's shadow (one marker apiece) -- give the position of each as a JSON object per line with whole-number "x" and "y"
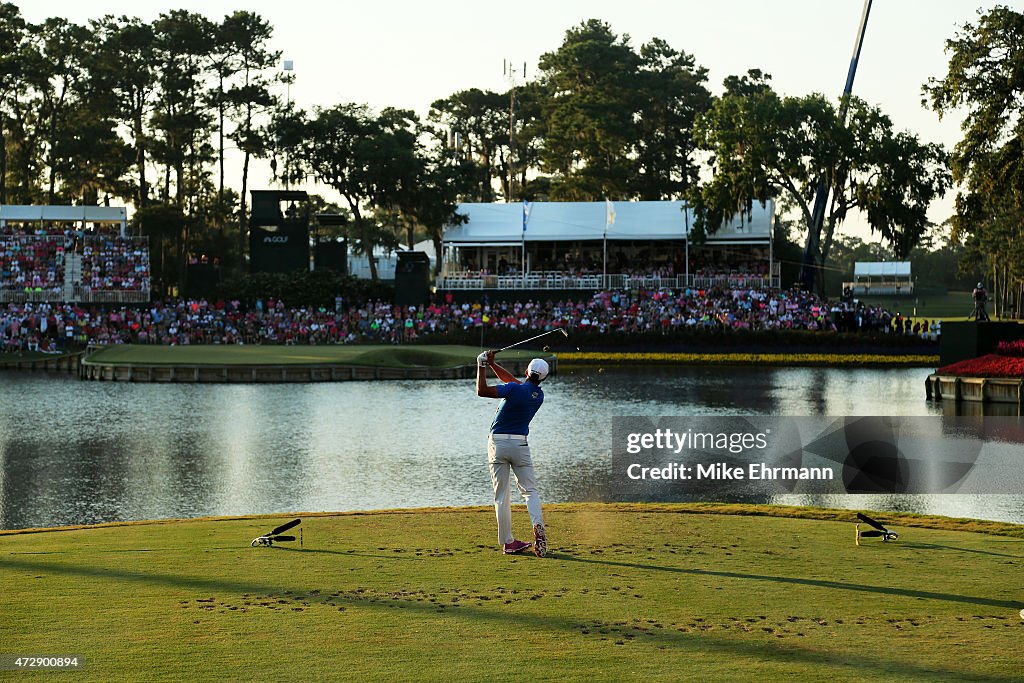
{"x": 342, "y": 553}
{"x": 838, "y": 585}
{"x": 936, "y": 546}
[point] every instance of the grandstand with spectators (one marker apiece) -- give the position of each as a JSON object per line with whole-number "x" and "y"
{"x": 71, "y": 254}
{"x": 604, "y": 245}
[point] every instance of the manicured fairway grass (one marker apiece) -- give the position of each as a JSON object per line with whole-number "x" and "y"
{"x": 654, "y": 592}
{"x": 953, "y": 305}
{"x": 438, "y": 356}
{"x": 442, "y": 356}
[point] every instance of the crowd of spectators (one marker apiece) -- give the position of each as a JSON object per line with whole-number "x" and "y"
{"x": 745, "y": 268}
{"x": 47, "y": 327}
{"x": 31, "y": 263}
{"x": 111, "y": 263}
{"x": 35, "y": 260}
{"x": 578, "y": 265}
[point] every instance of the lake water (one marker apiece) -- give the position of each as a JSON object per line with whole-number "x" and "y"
{"x": 76, "y": 452}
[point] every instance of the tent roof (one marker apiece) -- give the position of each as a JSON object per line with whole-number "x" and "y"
{"x": 498, "y": 223}
{"x": 91, "y": 214}
{"x": 880, "y": 268}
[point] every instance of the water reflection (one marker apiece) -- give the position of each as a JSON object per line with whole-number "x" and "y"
{"x": 84, "y": 452}
{"x": 978, "y": 409}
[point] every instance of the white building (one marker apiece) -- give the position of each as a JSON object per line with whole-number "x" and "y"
{"x": 593, "y": 245}
{"x": 359, "y": 265}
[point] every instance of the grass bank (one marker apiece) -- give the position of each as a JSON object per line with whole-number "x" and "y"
{"x": 443, "y": 356}
{"x": 629, "y": 592}
{"x": 434, "y": 356}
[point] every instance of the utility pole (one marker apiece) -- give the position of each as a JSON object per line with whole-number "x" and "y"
{"x": 288, "y": 67}
{"x": 510, "y": 74}
{"x": 809, "y": 269}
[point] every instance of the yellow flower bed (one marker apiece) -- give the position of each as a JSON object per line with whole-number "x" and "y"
{"x": 751, "y": 358}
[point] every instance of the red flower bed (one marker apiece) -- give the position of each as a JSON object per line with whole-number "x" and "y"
{"x": 992, "y": 365}
{"x": 1011, "y": 348}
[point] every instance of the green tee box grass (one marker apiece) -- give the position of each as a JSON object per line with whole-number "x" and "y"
{"x": 628, "y": 592}
{"x": 436, "y": 356}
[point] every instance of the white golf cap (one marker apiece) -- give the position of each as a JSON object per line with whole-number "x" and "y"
{"x": 537, "y": 367}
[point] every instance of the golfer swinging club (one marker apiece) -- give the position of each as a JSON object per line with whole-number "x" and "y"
{"x": 508, "y": 450}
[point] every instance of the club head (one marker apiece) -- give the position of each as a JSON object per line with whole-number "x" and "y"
{"x": 562, "y": 330}
{"x": 263, "y": 541}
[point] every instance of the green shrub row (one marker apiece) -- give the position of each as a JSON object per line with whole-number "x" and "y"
{"x": 313, "y": 288}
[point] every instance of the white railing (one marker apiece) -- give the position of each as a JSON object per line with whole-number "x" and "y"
{"x": 735, "y": 281}
{"x": 124, "y": 296}
{"x": 559, "y": 280}
{"x": 20, "y": 296}
{"x": 879, "y": 288}
{"x": 80, "y": 295}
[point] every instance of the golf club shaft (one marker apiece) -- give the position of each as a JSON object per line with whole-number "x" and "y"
{"x": 530, "y": 339}
{"x": 285, "y": 527}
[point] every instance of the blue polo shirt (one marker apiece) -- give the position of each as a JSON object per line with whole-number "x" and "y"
{"x": 521, "y": 402}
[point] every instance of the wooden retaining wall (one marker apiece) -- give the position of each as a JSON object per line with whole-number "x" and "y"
{"x": 975, "y": 389}
{"x": 67, "y": 363}
{"x": 229, "y": 374}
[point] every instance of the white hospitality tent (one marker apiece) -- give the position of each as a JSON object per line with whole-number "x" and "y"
{"x": 882, "y": 277}
{"x": 505, "y": 224}
{"x": 82, "y": 215}
{"x": 496, "y": 223}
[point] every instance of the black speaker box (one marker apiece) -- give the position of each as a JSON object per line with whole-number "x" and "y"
{"x": 412, "y": 278}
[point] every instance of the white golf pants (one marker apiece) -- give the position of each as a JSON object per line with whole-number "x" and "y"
{"x": 511, "y": 453}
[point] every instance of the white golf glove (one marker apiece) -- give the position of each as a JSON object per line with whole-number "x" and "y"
{"x": 481, "y": 360}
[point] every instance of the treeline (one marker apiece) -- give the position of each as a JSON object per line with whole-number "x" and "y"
{"x": 986, "y": 78}
{"x": 124, "y": 110}
{"x": 141, "y": 112}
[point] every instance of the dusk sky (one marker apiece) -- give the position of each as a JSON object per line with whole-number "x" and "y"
{"x": 405, "y": 54}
